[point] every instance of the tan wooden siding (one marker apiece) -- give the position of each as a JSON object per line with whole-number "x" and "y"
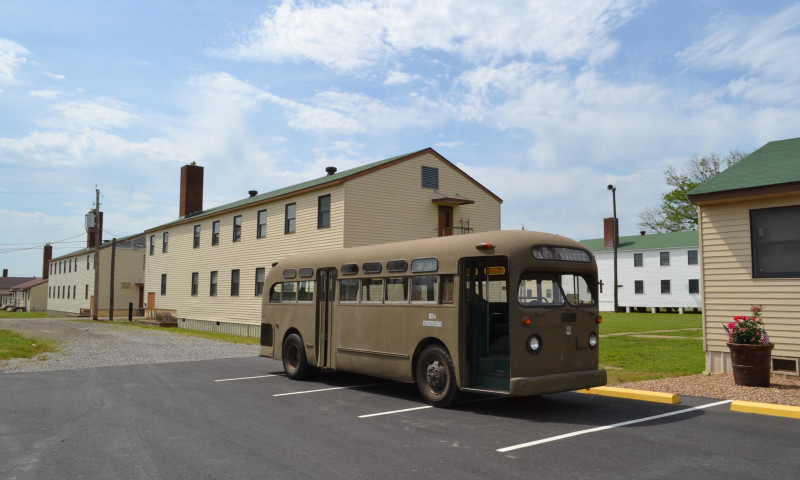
{"x": 729, "y": 288}
{"x": 391, "y": 205}
{"x": 246, "y": 255}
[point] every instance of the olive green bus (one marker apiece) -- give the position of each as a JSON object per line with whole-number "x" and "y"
{"x": 511, "y": 312}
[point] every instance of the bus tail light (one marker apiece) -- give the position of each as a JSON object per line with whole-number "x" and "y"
{"x": 534, "y": 344}
{"x": 526, "y": 321}
{"x": 484, "y": 246}
{"x": 592, "y": 340}
{"x": 599, "y": 319}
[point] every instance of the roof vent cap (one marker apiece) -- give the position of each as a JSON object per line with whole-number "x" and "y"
{"x": 253, "y": 193}
{"x": 330, "y": 170}
{"x": 642, "y": 232}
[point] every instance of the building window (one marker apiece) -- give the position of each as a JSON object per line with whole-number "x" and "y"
{"x": 86, "y": 293}
{"x": 196, "y": 241}
{"x": 163, "y": 284}
{"x": 70, "y": 266}
{"x": 775, "y": 238}
{"x": 638, "y": 260}
{"x": 290, "y": 223}
{"x": 237, "y": 228}
{"x": 213, "y": 285}
{"x": 261, "y": 230}
{"x": 74, "y": 292}
{"x": 430, "y": 177}
{"x": 324, "y": 211}
{"x": 87, "y": 262}
{"x": 664, "y": 258}
{"x": 665, "y": 286}
{"x": 692, "y": 255}
{"x": 152, "y": 244}
{"x": 638, "y": 287}
{"x": 694, "y": 286}
{"x": 215, "y": 233}
{"x": 195, "y": 282}
{"x": 234, "y": 283}
{"x": 165, "y": 245}
{"x": 259, "y": 281}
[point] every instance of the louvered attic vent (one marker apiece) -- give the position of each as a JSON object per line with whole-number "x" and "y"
{"x": 430, "y": 178}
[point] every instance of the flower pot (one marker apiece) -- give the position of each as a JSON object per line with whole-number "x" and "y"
{"x": 751, "y": 364}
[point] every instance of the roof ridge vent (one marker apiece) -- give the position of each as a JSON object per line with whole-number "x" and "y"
{"x": 330, "y": 170}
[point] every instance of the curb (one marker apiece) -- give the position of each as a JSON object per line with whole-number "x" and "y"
{"x": 632, "y": 394}
{"x": 765, "y": 409}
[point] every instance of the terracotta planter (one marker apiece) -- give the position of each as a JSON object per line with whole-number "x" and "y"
{"x": 751, "y": 364}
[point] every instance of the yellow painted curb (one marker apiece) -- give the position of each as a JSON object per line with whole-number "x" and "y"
{"x": 632, "y": 394}
{"x": 765, "y": 409}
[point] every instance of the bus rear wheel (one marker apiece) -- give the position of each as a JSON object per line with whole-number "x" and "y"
{"x": 295, "y": 363}
{"x": 436, "y": 376}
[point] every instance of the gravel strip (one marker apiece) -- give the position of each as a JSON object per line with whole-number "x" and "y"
{"x": 783, "y": 390}
{"x": 88, "y": 344}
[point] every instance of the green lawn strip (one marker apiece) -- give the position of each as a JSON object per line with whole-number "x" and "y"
{"x": 15, "y": 345}
{"x": 630, "y": 359}
{"x": 676, "y": 333}
{"x": 4, "y": 314}
{"x": 222, "y": 337}
{"x": 644, "y": 322}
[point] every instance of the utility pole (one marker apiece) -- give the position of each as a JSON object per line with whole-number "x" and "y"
{"x": 96, "y": 254}
{"x": 111, "y": 298}
{"x": 616, "y": 245}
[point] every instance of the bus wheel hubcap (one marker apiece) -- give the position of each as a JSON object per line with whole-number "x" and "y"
{"x": 436, "y": 375}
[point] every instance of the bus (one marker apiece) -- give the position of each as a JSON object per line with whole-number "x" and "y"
{"x": 509, "y": 312}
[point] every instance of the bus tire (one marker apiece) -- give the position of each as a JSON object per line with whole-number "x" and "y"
{"x": 295, "y": 363}
{"x": 436, "y": 378}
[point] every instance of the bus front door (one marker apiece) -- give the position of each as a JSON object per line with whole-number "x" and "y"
{"x": 326, "y": 295}
{"x": 485, "y": 310}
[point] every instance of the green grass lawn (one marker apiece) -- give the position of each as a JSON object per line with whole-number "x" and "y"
{"x": 15, "y": 345}
{"x": 4, "y": 314}
{"x": 629, "y": 359}
{"x": 223, "y": 337}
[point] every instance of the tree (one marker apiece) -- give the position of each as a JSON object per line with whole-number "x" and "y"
{"x": 676, "y": 213}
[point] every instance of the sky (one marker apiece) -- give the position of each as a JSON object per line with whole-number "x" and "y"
{"x": 545, "y": 102}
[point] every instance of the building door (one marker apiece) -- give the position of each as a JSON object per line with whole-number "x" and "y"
{"x": 151, "y": 305}
{"x": 141, "y": 298}
{"x": 445, "y": 221}
{"x": 326, "y": 296}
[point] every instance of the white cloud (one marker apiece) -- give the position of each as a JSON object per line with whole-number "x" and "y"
{"x": 102, "y": 114}
{"x": 355, "y": 34}
{"x": 54, "y": 75}
{"x": 49, "y": 94}
{"x": 768, "y": 51}
{"x": 12, "y": 55}
{"x": 396, "y": 77}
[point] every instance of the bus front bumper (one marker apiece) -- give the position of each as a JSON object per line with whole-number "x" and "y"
{"x": 560, "y": 382}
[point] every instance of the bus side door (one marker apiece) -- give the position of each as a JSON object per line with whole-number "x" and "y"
{"x": 326, "y": 296}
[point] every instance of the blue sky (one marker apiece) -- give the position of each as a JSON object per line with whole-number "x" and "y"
{"x": 543, "y": 102}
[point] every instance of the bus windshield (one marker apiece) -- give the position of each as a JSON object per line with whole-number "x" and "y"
{"x": 547, "y": 289}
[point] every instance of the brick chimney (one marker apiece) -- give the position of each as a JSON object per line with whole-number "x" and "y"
{"x": 5, "y": 272}
{"x": 48, "y": 255}
{"x": 191, "y": 190}
{"x": 609, "y": 231}
{"x": 92, "y": 230}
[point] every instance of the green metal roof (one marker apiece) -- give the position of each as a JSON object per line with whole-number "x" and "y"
{"x": 647, "y": 242}
{"x": 287, "y": 190}
{"x": 775, "y": 163}
{"x": 105, "y": 244}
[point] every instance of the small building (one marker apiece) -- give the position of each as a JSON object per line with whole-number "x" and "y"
{"x": 71, "y": 278}
{"x": 206, "y": 269}
{"x": 749, "y": 224}
{"x": 7, "y": 284}
{"x": 30, "y": 296}
{"x": 654, "y": 271}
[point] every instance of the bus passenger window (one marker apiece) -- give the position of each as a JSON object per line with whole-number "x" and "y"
{"x": 447, "y": 288}
{"x": 348, "y": 290}
{"x": 396, "y": 289}
{"x": 372, "y": 290}
{"x": 424, "y": 288}
{"x": 275, "y": 293}
{"x": 306, "y": 292}
{"x": 289, "y": 292}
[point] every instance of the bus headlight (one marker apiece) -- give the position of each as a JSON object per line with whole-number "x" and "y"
{"x": 592, "y": 340}
{"x": 534, "y": 344}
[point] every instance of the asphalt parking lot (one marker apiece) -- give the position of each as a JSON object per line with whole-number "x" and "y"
{"x": 241, "y": 418}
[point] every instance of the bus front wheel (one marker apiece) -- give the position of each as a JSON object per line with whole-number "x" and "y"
{"x": 295, "y": 363}
{"x": 436, "y": 377}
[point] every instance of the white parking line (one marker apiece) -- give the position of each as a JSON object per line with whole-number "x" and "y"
{"x": 607, "y": 427}
{"x": 332, "y": 388}
{"x": 245, "y": 378}
{"x": 395, "y": 411}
